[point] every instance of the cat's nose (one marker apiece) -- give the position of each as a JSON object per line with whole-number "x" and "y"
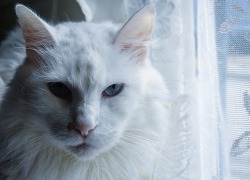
{"x": 84, "y": 130}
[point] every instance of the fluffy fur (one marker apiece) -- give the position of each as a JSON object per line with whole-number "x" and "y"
{"x": 87, "y": 57}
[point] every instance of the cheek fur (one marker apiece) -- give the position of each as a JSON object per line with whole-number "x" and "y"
{"x": 45, "y": 108}
{"x": 118, "y": 109}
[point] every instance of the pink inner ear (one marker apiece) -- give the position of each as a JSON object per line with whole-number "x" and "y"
{"x": 136, "y": 50}
{"x": 31, "y": 53}
{"x": 138, "y": 45}
{"x": 37, "y": 37}
{"x": 36, "y": 40}
{"x": 35, "y": 43}
{"x": 36, "y": 32}
{"x": 135, "y": 35}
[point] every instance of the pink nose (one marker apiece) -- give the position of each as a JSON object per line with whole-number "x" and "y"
{"x": 84, "y": 130}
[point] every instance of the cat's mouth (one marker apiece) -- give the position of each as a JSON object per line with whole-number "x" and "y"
{"x": 84, "y": 151}
{"x": 83, "y": 146}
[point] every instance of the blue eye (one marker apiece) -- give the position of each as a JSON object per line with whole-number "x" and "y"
{"x": 112, "y": 90}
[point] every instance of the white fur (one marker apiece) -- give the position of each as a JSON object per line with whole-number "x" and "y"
{"x": 131, "y": 127}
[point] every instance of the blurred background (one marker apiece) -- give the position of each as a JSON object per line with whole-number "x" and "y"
{"x": 53, "y": 11}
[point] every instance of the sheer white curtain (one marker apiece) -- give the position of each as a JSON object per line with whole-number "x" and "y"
{"x": 202, "y": 48}
{"x": 233, "y": 51}
{"x": 224, "y": 42}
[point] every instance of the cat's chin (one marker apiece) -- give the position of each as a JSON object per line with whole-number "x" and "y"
{"x": 84, "y": 151}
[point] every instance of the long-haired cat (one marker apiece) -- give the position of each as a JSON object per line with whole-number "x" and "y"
{"x": 85, "y": 102}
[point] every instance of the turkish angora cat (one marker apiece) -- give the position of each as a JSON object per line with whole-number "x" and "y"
{"x": 85, "y": 103}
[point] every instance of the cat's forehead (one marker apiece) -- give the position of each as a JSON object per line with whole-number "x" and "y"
{"x": 83, "y": 35}
{"x": 85, "y": 43}
{"x": 85, "y": 52}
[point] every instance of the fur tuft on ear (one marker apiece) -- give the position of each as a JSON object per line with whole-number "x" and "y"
{"x": 135, "y": 35}
{"x": 35, "y": 31}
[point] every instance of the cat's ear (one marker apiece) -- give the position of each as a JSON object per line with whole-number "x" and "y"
{"x": 135, "y": 35}
{"x": 35, "y": 31}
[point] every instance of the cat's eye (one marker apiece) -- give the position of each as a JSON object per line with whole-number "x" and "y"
{"x": 60, "y": 90}
{"x": 112, "y": 90}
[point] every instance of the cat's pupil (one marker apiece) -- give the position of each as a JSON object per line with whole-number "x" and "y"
{"x": 114, "y": 86}
{"x": 60, "y": 90}
{"x": 113, "y": 90}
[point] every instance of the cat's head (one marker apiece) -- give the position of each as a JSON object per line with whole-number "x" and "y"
{"x": 81, "y": 82}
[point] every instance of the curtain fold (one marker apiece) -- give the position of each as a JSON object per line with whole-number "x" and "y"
{"x": 209, "y": 113}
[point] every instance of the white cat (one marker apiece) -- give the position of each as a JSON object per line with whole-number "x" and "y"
{"x": 85, "y": 102}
